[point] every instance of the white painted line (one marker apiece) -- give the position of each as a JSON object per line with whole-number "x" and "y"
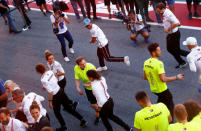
{"x": 115, "y": 19}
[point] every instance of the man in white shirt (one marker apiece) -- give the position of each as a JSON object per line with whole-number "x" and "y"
{"x": 194, "y": 57}
{"x": 26, "y": 101}
{"x": 10, "y": 124}
{"x": 58, "y": 19}
{"x": 136, "y": 26}
{"x": 171, "y": 27}
{"x": 103, "y": 51}
{"x": 57, "y": 97}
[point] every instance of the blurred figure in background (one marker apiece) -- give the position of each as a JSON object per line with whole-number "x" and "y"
{"x": 3, "y": 95}
{"x": 5, "y": 11}
{"x": 195, "y": 4}
{"x": 182, "y": 122}
{"x": 194, "y": 111}
{"x": 74, "y": 4}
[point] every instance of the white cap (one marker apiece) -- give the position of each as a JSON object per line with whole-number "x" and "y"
{"x": 190, "y": 41}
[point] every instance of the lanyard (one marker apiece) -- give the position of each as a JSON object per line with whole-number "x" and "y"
{"x": 4, "y": 129}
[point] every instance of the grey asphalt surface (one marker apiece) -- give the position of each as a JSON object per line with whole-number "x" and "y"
{"x": 21, "y": 52}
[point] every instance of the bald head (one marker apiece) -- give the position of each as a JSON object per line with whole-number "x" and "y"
{"x": 180, "y": 112}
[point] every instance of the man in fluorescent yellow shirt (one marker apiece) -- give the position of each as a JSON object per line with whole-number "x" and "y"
{"x": 153, "y": 117}
{"x": 81, "y": 74}
{"x": 182, "y": 122}
{"x": 194, "y": 111}
{"x": 154, "y": 72}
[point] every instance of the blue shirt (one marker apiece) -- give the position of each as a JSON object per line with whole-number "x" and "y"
{"x": 2, "y": 89}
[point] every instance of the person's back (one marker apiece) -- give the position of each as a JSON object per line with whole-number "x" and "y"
{"x": 189, "y": 126}
{"x": 195, "y": 57}
{"x": 153, "y": 68}
{"x": 154, "y": 117}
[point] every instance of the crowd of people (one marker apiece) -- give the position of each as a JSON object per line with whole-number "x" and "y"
{"x": 30, "y": 113}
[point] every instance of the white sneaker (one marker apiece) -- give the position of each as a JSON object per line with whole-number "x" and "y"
{"x": 127, "y": 61}
{"x": 66, "y": 59}
{"x": 101, "y": 68}
{"x": 72, "y": 51}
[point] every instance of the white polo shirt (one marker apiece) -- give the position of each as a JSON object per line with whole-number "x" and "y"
{"x": 99, "y": 89}
{"x": 169, "y": 19}
{"x": 100, "y": 36}
{"x": 50, "y": 82}
{"x": 61, "y": 25}
{"x": 56, "y": 68}
{"x": 138, "y": 18}
{"x": 194, "y": 59}
{"x": 27, "y": 102}
{"x": 13, "y": 125}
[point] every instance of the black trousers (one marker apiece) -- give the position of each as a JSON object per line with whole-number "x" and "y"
{"x": 107, "y": 113}
{"x": 88, "y": 4}
{"x": 62, "y": 99}
{"x": 134, "y": 4}
{"x": 104, "y": 53}
{"x": 166, "y": 98}
{"x": 173, "y": 47}
{"x": 143, "y": 8}
{"x": 22, "y": 11}
{"x": 62, "y": 83}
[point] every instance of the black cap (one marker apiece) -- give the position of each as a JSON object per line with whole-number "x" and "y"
{"x": 55, "y": 9}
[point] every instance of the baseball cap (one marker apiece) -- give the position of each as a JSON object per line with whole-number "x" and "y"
{"x": 190, "y": 41}
{"x": 86, "y": 21}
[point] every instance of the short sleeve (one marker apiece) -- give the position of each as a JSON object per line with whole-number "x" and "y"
{"x": 173, "y": 19}
{"x": 76, "y": 73}
{"x": 94, "y": 31}
{"x": 52, "y": 19}
{"x": 139, "y": 17}
{"x": 165, "y": 109}
{"x": 161, "y": 69}
{"x": 93, "y": 67}
{"x": 60, "y": 68}
{"x": 137, "y": 122}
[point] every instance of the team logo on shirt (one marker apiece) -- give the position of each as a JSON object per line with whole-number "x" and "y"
{"x": 184, "y": 129}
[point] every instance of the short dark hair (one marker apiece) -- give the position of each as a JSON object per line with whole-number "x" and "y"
{"x": 94, "y": 74}
{"x": 192, "y": 108}
{"x": 55, "y": 9}
{"x": 141, "y": 96}
{"x": 152, "y": 47}
{"x": 5, "y": 110}
{"x": 161, "y": 6}
{"x": 40, "y": 68}
{"x": 131, "y": 12}
{"x": 79, "y": 59}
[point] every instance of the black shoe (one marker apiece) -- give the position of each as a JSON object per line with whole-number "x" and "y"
{"x": 44, "y": 14}
{"x": 83, "y": 123}
{"x": 181, "y": 65}
{"x": 48, "y": 11}
{"x": 97, "y": 18}
{"x": 97, "y": 120}
{"x": 149, "y": 20}
{"x": 74, "y": 105}
{"x": 18, "y": 31}
{"x": 64, "y": 128}
{"x": 131, "y": 129}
